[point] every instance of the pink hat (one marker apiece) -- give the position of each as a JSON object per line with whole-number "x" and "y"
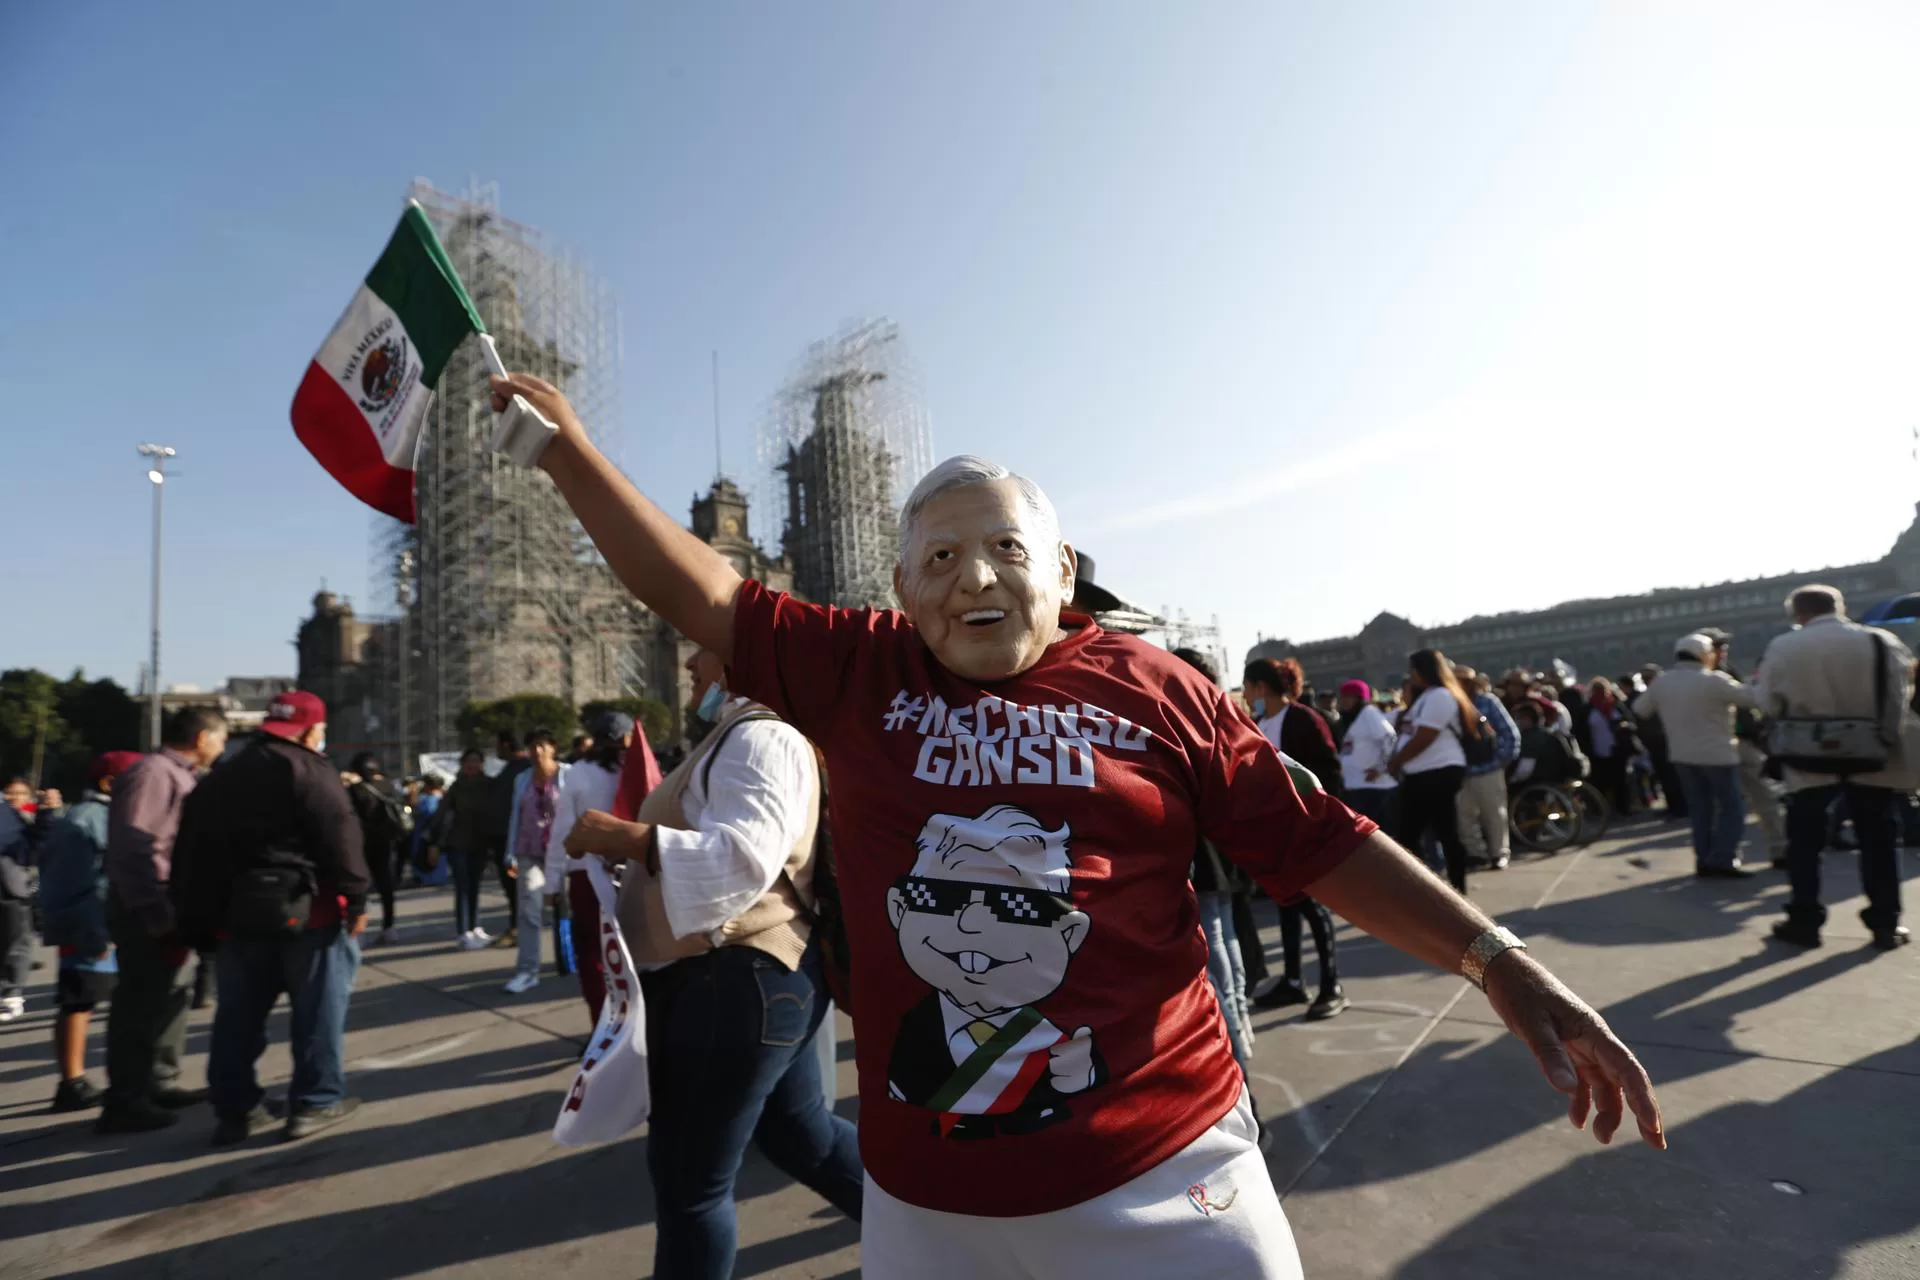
{"x": 1359, "y": 689}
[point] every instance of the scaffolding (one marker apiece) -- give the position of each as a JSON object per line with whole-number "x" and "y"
{"x": 496, "y": 591}
{"x": 843, "y": 443}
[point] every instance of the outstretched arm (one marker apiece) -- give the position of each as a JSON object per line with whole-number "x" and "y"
{"x": 1380, "y": 888}
{"x": 669, "y": 570}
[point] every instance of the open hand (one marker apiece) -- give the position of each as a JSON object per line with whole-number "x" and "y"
{"x": 1578, "y": 1053}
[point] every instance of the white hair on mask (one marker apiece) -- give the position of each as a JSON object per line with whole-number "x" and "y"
{"x": 967, "y": 470}
{"x": 1005, "y": 845}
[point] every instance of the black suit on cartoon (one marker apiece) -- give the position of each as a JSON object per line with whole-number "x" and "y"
{"x": 921, "y": 1064}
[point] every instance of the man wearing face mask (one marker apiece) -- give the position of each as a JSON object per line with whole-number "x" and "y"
{"x": 717, "y": 906}
{"x": 1118, "y": 1139}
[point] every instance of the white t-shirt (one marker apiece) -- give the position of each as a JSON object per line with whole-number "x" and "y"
{"x": 1367, "y": 744}
{"x": 1434, "y": 709}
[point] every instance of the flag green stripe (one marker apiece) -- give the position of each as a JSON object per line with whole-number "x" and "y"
{"x": 416, "y": 279}
{"x": 969, "y": 1072}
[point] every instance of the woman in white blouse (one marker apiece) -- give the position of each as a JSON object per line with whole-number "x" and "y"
{"x": 1431, "y": 760}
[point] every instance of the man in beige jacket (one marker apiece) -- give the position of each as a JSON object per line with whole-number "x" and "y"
{"x": 1824, "y": 668}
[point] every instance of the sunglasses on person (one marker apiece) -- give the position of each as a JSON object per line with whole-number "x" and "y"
{"x": 1009, "y": 906}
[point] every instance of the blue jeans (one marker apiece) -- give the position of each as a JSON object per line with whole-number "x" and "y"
{"x": 1228, "y": 973}
{"x": 731, "y": 1060}
{"x": 316, "y": 970}
{"x": 467, "y": 870}
{"x": 1717, "y": 809}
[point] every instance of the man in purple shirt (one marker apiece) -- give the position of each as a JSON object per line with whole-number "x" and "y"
{"x": 147, "y": 1022}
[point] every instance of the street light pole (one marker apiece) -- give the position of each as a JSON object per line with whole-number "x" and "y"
{"x": 157, "y": 454}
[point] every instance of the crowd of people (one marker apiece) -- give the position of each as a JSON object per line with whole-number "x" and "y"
{"x": 1033, "y": 889}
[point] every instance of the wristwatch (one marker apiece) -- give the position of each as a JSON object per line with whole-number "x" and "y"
{"x": 1482, "y": 950}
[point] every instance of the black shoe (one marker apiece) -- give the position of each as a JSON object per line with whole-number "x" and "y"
{"x": 1738, "y": 871}
{"x": 76, "y": 1094}
{"x": 233, "y": 1129}
{"x": 1778, "y": 864}
{"x": 1798, "y": 934}
{"x": 136, "y": 1117}
{"x": 1330, "y": 1004}
{"x": 1282, "y": 993}
{"x": 178, "y": 1099}
{"x": 1892, "y": 939}
{"x": 309, "y": 1121}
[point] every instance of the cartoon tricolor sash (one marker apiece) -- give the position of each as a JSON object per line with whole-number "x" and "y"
{"x": 998, "y": 1075}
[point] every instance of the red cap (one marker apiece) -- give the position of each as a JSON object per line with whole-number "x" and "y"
{"x": 292, "y": 714}
{"x": 1358, "y": 689}
{"x": 110, "y": 764}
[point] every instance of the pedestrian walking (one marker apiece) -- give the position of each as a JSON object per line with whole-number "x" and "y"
{"x": 383, "y": 832}
{"x": 1749, "y": 732}
{"x": 717, "y": 905}
{"x": 1431, "y": 758}
{"x": 535, "y": 802}
{"x": 1483, "y": 791}
{"x": 430, "y": 865}
{"x": 1696, "y": 706}
{"x": 515, "y": 761}
{"x": 20, "y": 831}
{"x": 1044, "y": 1089}
{"x": 1610, "y": 740}
{"x": 73, "y": 912}
{"x": 1837, "y": 695}
{"x": 466, "y": 826}
{"x": 1272, "y": 692}
{"x": 147, "y": 1022}
{"x": 272, "y": 875}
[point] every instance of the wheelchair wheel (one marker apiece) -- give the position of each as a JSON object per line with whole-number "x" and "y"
{"x": 1594, "y": 812}
{"x": 1543, "y": 818}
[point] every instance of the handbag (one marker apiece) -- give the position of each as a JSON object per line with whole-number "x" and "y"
{"x": 610, "y": 1094}
{"x": 1838, "y": 744}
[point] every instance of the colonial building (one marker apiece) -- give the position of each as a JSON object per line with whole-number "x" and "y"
{"x": 1600, "y": 637}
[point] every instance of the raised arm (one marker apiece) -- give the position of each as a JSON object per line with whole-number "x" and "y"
{"x": 669, "y": 570}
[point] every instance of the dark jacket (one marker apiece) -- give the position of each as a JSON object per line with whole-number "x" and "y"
{"x": 73, "y": 878}
{"x": 382, "y": 825}
{"x": 1304, "y": 736}
{"x": 273, "y": 804}
{"x": 470, "y": 815}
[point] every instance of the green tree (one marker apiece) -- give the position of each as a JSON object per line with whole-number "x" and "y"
{"x": 650, "y": 714}
{"x": 58, "y": 726}
{"x": 481, "y": 723}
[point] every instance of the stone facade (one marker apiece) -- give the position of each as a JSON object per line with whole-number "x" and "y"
{"x": 1600, "y": 637}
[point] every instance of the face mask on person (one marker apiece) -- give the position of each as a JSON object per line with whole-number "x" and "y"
{"x": 710, "y": 703}
{"x": 1259, "y": 708}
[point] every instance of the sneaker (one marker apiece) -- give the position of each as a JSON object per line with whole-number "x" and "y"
{"x": 521, "y": 983}
{"x": 472, "y": 940}
{"x": 12, "y": 1007}
{"x": 1500, "y": 863}
{"x": 233, "y": 1129}
{"x": 384, "y": 938}
{"x": 1798, "y": 935}
{"x": 1330, "y": 1004}
{"x": 511, "y": 938}
{"x": 136, "y": 1117}
{"x": 77, "y": 1094}
{"x": 1283, "y": 992}
{"x": 1892, "y": 939}
{"x": 307, "y": 1121}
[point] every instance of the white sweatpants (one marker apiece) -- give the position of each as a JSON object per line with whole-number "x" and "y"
{"x": 1482, "y": 812}
{"x": 1208, "y": 1212}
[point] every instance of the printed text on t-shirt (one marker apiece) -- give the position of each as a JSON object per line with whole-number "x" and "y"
{"x": 994, "y": 741}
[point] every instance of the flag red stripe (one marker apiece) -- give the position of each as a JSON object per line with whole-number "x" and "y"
{"x": 336, "y": 434}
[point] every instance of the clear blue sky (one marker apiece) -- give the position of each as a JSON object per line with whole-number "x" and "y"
{"x": 1300, "y": 312}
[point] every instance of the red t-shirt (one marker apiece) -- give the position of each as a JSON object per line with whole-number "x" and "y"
{"x": 1036, "y": 1026}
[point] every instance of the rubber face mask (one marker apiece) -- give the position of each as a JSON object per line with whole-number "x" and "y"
{"x": 711, "y": 702}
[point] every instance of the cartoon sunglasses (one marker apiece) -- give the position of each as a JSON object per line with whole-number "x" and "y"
{"x": 1010, "y": 906}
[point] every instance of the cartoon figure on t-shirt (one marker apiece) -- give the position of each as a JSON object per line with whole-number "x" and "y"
{"x": 985, "y": 920}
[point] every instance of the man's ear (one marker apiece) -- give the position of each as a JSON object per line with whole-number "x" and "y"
{"x": 1073, "y": 929}
{"x": 896, "y": 905}
{"x": 899, "y": 591}
{"x": 1069, "y": 570}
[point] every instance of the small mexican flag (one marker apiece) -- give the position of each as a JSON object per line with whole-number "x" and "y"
{"x": 360, "y": 408}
